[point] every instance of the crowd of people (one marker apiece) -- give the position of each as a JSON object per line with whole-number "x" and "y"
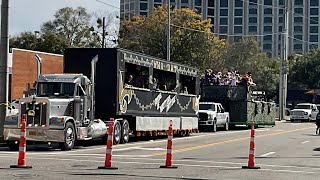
{"x": 231, "y": 78}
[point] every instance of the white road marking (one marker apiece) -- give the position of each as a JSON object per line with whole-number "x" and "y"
{"x": 189, "y": 165}
{"x": 304, "y": 142}
{"x": 267, "y": 154}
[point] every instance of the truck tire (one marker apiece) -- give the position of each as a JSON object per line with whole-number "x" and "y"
{"x": 13, "y": 146}
{"x": 69, "y": 137}
{"x": 227, "y": 125}
{"x": 214, "y": 126}
{"x": 125, "y": 132}
{"x": 117, "y": 133}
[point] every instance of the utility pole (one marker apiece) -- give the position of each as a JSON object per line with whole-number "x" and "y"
{"x": 103, "y": 31}
{"x": 283, "y": 68}
{"x": 168, "y": 33}
{"x": 4, "y": 50}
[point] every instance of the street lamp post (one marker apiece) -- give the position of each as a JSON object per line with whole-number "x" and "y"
{"x": 168, "y": 33}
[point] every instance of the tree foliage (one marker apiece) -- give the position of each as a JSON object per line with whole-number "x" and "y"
{"x": 305, "y": 70}
{"x": 148, "y": 35}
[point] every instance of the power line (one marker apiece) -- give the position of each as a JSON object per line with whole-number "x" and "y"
{"x": 107, "y": 4}
{"x": 260, "y": 4}
{"x": 313, "y": 43}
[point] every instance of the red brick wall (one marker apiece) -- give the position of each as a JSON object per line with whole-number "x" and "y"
{"x": 24, "y": 68}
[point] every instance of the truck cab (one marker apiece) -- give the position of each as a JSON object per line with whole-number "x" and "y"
{"x": 212, "y": 115}
{"x": 304, "y": 112}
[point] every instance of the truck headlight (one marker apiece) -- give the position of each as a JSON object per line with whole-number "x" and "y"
{"x": 11, "y": 120}
{"x": 305, "y": 113}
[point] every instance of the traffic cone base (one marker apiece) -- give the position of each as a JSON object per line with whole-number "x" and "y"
{"x": 250, "y": 167}
{"x": 110, "y": 168}
{"x": 169, "y": 167}
{"x": 20, "y": 167}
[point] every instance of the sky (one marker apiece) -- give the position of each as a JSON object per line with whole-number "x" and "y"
{"x": 29, "y": 15}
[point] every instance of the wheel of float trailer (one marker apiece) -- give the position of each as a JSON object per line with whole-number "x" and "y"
{"x": 125, "y": 132}
{"x": 13, "y": 146}
{"x": 69, "y": 137}
{"x": 214, "y": 126}
{"x": 117, "y": 133}
{"x": 182, "y": 133}
{"x": 227, "y": 125}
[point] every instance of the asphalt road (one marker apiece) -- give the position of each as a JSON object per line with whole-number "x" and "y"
{"x": 286, "y": 151}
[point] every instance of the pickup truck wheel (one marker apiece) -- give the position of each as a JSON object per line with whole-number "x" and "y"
{"x": 117, "y": 133}
{"x": 214, "y": 128}
{"x": 13, "y": 146}
{"x": 125, "y": 132}
{"x": 227, "y": 125}
{"x": 69, "y": 137}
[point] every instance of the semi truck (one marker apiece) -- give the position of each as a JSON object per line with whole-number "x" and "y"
{"x": 140, "y": 92}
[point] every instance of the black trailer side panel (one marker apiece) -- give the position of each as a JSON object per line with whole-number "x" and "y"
{"x": 78, "y": 60}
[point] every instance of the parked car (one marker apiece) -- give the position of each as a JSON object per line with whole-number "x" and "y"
{"x": 212, "y": 115}
{"x": 304, "y": 112}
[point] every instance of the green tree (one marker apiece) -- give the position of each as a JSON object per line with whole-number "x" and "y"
{"x": 73, "y": 24}
{"x": 148, "y": 35}
{"x": 305, "y": 71}
{"x": 25, "y": 40}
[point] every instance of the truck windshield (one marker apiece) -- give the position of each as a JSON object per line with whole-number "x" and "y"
{"x": 55, "y": 89}
{"x": 302, "y": 107}
{"x": 206, "y": 107}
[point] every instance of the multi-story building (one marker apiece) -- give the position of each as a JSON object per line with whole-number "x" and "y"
{"x": 233, "y": 19}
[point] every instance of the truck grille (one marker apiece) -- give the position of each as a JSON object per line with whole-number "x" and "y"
{"x": 203, "y": 116}
{"x": 299, "y": 113}
{"x": 40, "y": 113}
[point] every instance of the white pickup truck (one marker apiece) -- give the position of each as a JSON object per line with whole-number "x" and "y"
{"x": 304, "y": 112}
{"x": 212, "y": 115}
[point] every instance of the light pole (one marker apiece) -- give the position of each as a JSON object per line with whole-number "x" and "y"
{"x": 168, "y": 33}
{"x": 4, "y": 50}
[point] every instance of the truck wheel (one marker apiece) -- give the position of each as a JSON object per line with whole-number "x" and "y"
{"x": 214, "y": 128}
{"x": 69, "y": 137}
{"x": 227, "y": 125}
{"x": 13, "y": 146}
{"x": 125, "y": 132}
{"x": 117, "y": 133}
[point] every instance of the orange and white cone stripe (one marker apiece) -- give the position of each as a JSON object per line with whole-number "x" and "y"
{"x": 251, "y": 160}
{"x": 108, "y": 158}
{"x": 22, "y": 145}
{"x": 169, "y": 149}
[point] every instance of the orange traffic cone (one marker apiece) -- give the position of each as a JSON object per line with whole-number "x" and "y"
{"x": 22, "y": 163}
{"x": 169, "y": 149}
{"x": 251, "y": 162}
{"x": 108, "y": 159}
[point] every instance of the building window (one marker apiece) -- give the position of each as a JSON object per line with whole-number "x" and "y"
{"x": 210, "y": 12}
{"x": 297, "y": 28}
{"x": 223, "y": 12}
{"x": 313, "y": 29}
{"x": 238, "y": 12}
{"x": 198, "y": 2}
{"x": 156, "y": 5}
{"x": 313, "y": 38}
{"x": 157, "y": 1}
{"x": 267, "y": 38}
{"x": 211, "y": 20}
{"x": 237, "y": 29}
{"x": 252, "y": 28}
{"x": 297, "y": 46}
{"x": 223, "y": 21}
{"x": 298, "y": 2}
{"x": 143, "y": 13}
{"x": 143, "y": 6}
{"x": 267, "y": 46}
{"x": 298, "y": 37}
{"x": 280, "y": 11}
{"x": 223, "y": 29}
{"x": 253, "y": 11}
{"x": 211, "y": 3}
{"x": 314, "y": 2}
{"x": 198, "y": 10}
{"x": 238, "y": 3}
{"x": 314, "y": 20}
{"x": 252, "y": 20}
{"x": 314, "y": 11}
{"x": 223, "y": 37}
{"x": 253, "y": 2}
{"x": 281, "y": 2}
{"x": 267, "y": 2}
{"x": 185, "y": 1}
{"x": 280, "y": 28}
{"x": 313, "y": 46}
{"x": 298, "y": 19}
{"x": 280, "y": 19}
{"x": 267, "y": 28}
{"x": 238, "y": 21}
{"x": 223, "y": 3}
{"x": 237, "y": 38}
{"x": 268, "y": 11}
{"x": 298, "y": 10}
{"x": 268, "y": 20}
